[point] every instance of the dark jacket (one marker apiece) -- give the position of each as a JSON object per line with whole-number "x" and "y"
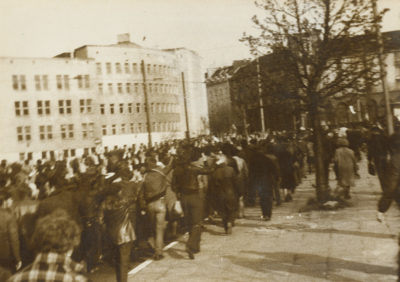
{"x": 185, "y": 181}
{"x": 9, "y": 242}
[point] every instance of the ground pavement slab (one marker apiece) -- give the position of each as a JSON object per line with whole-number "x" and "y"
{"x": 342, "y": 245}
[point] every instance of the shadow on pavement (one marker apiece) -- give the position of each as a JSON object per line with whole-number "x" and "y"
{"x": 306, "y": 264}
{"x": 350, "y": 232}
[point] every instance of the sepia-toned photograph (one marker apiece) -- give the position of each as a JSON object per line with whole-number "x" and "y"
{"x": 199, "y": 140}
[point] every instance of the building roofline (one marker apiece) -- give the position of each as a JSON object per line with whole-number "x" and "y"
{"x": 43, "y": 58}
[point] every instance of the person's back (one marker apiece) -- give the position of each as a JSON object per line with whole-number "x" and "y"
{"x": 55, "y": 237}
{"x": 9, "y": 242}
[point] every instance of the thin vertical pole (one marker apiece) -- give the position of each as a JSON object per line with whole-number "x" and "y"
{"x": 260, "y": 100}
{"x": 383, "y": 71}
{"x": 185, "y": 105}
{"x": 146, "y": 102}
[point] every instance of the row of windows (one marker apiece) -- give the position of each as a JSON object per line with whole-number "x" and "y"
{"x": 138, "y": 128}
{"x": 46, "y": 132}
{"x": 137, "y": 87}
{"x": 42, "y": 82}
{"x": 132, "y": 68}
{"x": 51, "y": 154}
{"x": 43, "y": 107}
{"x": 138, "y": 107}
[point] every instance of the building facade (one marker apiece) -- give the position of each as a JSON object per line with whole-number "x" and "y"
{"x": 49, "y": 107}
{"x": 94, "y": 97}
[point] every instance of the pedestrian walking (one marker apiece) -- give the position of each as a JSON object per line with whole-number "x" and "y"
{"x": 346, "y": 168}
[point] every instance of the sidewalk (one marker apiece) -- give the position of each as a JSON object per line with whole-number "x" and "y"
{"x": 343, "y": 245}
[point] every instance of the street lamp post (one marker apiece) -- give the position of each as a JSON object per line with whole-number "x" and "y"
{"x": 146, "y": 102}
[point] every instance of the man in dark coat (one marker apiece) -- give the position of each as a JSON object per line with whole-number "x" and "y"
{"x": 185, "y": 184}
{"x": 224, "y": 180}
{"x": 378, "y": 150}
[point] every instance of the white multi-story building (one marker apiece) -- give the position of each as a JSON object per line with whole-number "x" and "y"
{"x": 75, "y": 102}
{"x": 48, "y": 107}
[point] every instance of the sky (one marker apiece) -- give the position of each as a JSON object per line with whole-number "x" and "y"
{"x": 45, "y": 28}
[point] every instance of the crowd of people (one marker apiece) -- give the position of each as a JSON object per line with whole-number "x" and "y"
{"x": 105, "y": 205}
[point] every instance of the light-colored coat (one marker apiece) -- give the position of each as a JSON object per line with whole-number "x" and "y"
{"x": 346, "y": 165}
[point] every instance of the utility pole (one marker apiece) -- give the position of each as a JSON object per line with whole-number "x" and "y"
{"x": 146, "y": 103}
{"x": 382, "y": 70}
{"x": 185, "y": 105}
{"x": 260, "y": 100}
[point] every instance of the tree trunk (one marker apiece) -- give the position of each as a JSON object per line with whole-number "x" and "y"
{"x": 244, "y": 118}
{"x": 320, "y": 172}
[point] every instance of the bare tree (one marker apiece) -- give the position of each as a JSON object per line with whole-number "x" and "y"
{"x": 320, "y": 41}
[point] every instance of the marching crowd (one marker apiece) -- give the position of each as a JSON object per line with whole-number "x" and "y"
{"x": 105, "y": 205}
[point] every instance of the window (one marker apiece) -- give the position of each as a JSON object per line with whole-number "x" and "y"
{"x": 98, "y": 68}
{"x": 128, "y": 88}
{"x": 15, "y": 82}
{"x": 23, "y": 133}
{"x": 136, "y": 87}
{"x": 152, "y": 108}
{"x": 112, "y": 109}
{"x": 123, "y": 129}
{"x": 87, "y": 81}
{"x": 104, "y": 129}
{"x": 100, "y": 86}
{"x": 87, "y": 130}
{"x": 154, "y": 68}
{"x": 153, "y": 126}
{"x": 121, "y": 108}
{"x": 41, "y": 82}
{"x": 138, "y": 107}
{"x": 64, "y": 107}
{"x": 45, "y": 132}
{"x": 119, "y": 85}
{"x": 148, "y": 68}
{"x": 85, "y": 106}
{"x": 134, "y": 68}
{"x": 131, "y": 128}
{"x": 129, "y": 108}
{"x": 117, "y": 67}
{"x": 80, "y": 81}
{"x": 43, "y": 107}
{"x": 158, "y": 108}
{"x": 18, "y": 82}
{"x": 67, "y": 131}
{"x": 140, "y": 127}
{"x": 21, "y": 108}
{"x": 22, "y": 82}
{"x": 45, "y": 80}
{"x": 62, "y": 81}
{"x": 59, "y": 82}
{"x": 150, "y": 87}
{"x": 108, "y": 68}
{"x": 66, "y": 82}
{"x": 127, "y": 69}
{"x": 38, "y": 85}
{"x": 110, "y": 88}
{"x": 113, "y": 129}
{"x": 102, "y": 109}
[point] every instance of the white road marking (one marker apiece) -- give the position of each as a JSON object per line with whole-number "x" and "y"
{"x": 149, "y": 261}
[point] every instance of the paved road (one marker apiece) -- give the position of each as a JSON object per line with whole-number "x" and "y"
{"x": 344, "y": 245}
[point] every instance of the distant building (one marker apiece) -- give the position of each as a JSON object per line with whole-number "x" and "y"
{"x": 94, "y": 97}
{"x": 220, "y": 103}
{"x": 233, "y": 87}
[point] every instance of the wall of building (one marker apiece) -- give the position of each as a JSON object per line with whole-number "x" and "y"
{"x": 119, "y": 67}
{"x": 219, "y": 106}
{"x": 51, "y": 81}
{"x": 189, "y": 63}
